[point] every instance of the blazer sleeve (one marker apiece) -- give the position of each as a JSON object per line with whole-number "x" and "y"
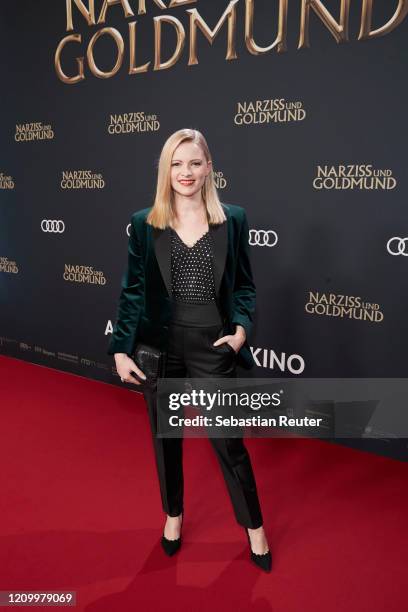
{"x": 131, "y": 300}
{"x": 244, "y": 292}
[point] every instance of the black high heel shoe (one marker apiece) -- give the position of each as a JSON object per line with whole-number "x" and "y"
{"x": 172, "y": 546}
{"x": 263, "y": 561}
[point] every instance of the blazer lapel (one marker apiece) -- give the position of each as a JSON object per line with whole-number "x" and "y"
{"x": 162, "y": 248}
{"x": 219, "y": 235}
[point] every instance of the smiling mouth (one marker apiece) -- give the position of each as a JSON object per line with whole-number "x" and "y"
{"x": 188, "y": 182}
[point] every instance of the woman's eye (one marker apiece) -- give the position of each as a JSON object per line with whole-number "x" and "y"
{"x": 194, "y": 163}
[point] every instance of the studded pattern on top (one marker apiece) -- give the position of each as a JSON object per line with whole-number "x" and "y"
{"x": 192, "y": 269}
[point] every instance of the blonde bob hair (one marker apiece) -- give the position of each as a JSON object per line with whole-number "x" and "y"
{"x": 162, "y": 213}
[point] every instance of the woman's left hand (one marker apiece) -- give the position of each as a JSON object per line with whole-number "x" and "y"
{"x": 235, "y": 340}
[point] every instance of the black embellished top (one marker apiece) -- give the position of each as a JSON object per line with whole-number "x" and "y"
{"x": 192, "y": 269}
{"x": 194, "y": 300}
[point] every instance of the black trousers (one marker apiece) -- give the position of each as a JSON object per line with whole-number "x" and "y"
{"x": 190, "y": 353}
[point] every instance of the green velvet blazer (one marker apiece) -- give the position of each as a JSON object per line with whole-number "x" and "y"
{"x": 144, "y": 310}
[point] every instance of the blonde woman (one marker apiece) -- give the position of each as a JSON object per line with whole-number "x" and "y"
{"x": 188, "y": 289}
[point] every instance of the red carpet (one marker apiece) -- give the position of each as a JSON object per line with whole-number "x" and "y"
{"x": 80, "y": 511}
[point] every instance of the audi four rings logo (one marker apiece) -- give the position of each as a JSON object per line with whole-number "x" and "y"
{"x": 397, "y": 246}
{"x": 262, "y": 238}
{"x": 55, "y": 226}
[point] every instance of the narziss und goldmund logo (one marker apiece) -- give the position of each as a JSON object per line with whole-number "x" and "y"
{"x": 128, "y": 123}
{"x": 188, "y": 30}
{"x": 343, "y": 306}
{"x": 219, "y": 179}
{"x": 6, "y": 182}
{"x": 83, "y": 274}
{"x": 26, "y": 132}
{"x": 81, "y": 179}
{"x": 7, "y": 265}
{"x": 268, "y": 111}
{"x": 353, "y": 176}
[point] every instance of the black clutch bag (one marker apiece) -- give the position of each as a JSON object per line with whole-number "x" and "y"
{"x": 151, "y": 361}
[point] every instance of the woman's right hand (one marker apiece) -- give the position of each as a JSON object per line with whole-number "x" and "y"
{"x": 125, "y": 366}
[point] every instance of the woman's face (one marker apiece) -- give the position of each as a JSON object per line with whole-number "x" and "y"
{"x": 188, "y": 169}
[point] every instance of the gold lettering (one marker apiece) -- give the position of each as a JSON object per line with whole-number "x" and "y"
{"x": 280, "y": 41}
{"x": 181, "y": 36}
{"x": 89, "y": 14}
{"x": 197, "y": 20}
{"x": 108, "y": 3}
{"x": 133, "y": 69}
{"x": 338, "y": 30}
{"x": 366, "y": 20}
{"x": 120, "y": 45}
{"x": 174, "y": 3}
{"x": 57, "y": 61}
{"x": 142, "y": 6}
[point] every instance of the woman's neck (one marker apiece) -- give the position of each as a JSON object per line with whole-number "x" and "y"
{"x": 190, "y": 213}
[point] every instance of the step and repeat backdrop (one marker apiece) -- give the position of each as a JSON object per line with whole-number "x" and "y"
{"x": 303, "y": 104}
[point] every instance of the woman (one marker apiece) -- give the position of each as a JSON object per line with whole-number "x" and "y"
{"x": 188, "y": 290}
